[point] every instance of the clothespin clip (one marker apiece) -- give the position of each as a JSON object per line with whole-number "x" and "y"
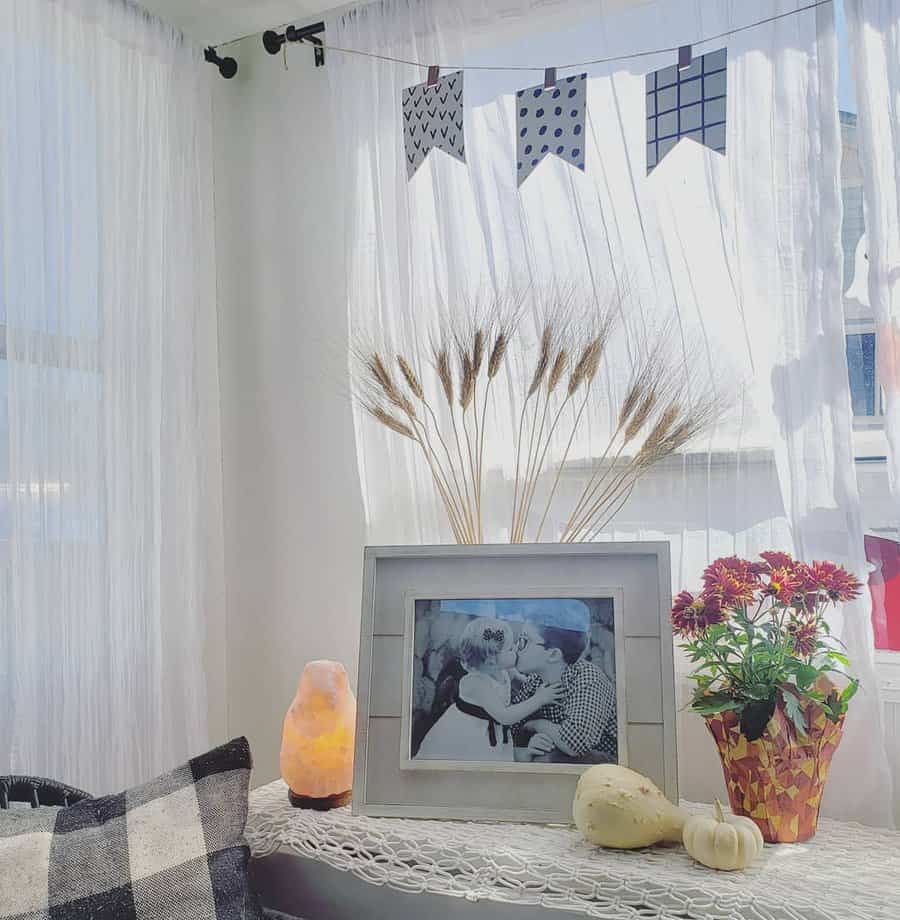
{"x": 434, "y": 71}
{"x": 549, "y": 77}
{"x": 685, "y": 56}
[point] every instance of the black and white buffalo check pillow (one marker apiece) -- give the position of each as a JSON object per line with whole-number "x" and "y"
{"x": 172, "y": 848}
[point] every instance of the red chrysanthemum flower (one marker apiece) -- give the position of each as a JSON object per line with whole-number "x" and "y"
{"x": 785, "y": 584}
{"x": 733, "y": 565}
{"x": 834, "y": 580}
{"x": 777, "y": 559}
{"x": 692, "y": 616}
{"x": 739, "y": 576}
{"x": 726, "y": 590}
{"x": 803, "y": 634}
{"x": 810, "y": 591}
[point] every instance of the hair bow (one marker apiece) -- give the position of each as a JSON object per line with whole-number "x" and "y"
{"x": 493, "y": 635}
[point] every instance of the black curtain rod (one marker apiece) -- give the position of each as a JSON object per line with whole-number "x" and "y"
{"x": 273, "y": 41}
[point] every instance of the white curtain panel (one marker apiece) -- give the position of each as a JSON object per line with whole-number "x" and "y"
{"x": 745, "y": 249}
{"x": 873, "y": 28}
{"x": 110, "y": 519}
{"x": 874, "y": 31}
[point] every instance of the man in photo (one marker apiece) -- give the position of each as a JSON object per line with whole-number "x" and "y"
{"x": 581, "y": 727}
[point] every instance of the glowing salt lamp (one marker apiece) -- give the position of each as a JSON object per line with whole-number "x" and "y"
{"x": 317, "y": 741}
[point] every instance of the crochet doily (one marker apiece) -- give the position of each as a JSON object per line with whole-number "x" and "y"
{"x": 846, "y": 872}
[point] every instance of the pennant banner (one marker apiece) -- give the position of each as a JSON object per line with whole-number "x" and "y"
{"x": 551, "y": 120}
{"x": 433, "y": 119}
{"x": 684, "y": 100}
{"x": 687, "y": 102}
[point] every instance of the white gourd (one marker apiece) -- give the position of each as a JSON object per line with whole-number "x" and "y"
{"x": 617, "y": 807}
{"x": 723, "y": 841}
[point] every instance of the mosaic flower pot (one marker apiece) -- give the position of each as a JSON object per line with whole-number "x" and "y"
{"x": 778, "y": 779}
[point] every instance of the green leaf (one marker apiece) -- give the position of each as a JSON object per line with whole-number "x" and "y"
{"x": 794, "y": 712}
{"x": 711, "y": 703}
{"x": 759, "y": 691}
{"x": 716, "y": 632}
{"x": 834, "y": 706}
{"x": 839, "y": 656}
{"x": 702, "y": 681}
{"x": 849, "y": 692}
{"x": 805, "y": 674}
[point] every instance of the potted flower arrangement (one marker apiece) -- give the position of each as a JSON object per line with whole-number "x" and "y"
{"x": 767, "y": 682}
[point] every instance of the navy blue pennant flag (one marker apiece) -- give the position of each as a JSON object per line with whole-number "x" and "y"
{"x": 687, "y": 102}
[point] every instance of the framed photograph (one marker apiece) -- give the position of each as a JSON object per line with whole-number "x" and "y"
{"x": 490, "y": 677}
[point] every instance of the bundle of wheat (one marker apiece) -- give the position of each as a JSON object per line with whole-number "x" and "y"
{"x": 664, "y": 406}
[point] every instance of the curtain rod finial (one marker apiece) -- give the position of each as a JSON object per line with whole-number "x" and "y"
{"x": 227, "y": 65}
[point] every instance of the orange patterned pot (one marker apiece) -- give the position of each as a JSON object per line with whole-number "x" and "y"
{"x": 778, "y": 779}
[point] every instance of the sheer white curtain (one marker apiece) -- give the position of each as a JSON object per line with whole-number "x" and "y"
{"x": 745, "y": 248}
{"x": 110, "y": 524}
{"x": 874, "y": 32}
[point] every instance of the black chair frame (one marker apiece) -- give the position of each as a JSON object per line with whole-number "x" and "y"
{"x": 37, "y": 791}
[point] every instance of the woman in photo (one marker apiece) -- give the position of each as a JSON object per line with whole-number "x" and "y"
{"x": 477, "y": 726}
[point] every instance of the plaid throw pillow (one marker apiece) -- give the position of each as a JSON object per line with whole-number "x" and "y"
{"x": 172, "y": 848}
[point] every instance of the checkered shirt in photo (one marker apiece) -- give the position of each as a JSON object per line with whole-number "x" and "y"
{"x": 586, "y": 714}
{"x": 172, "y": 848}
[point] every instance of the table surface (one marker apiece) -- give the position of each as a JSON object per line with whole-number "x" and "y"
{"x": 846, "y": 872}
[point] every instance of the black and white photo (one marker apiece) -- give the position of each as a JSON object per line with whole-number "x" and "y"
{"x": 514, "y": 680}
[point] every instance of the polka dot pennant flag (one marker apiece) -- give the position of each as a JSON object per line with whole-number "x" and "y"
{"x": 433, "y": 119}
{"x": 551, "y": 119}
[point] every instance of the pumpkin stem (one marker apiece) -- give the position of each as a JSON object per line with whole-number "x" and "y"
{"x": 720, "y": 815}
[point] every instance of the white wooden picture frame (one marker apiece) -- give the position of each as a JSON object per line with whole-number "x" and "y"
{"x": 636, "y": 576}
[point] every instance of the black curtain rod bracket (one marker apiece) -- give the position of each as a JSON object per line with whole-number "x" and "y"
{"x": 227, "y": 65}
{"x": 273, "y": 41}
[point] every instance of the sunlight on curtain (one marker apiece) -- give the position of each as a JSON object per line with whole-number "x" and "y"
{"x": 874, "y": 33}
{"x": 745, "y": 249}
{"x": 110, "y": 523}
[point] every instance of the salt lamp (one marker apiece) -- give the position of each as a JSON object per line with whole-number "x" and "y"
{"x": 317, "y": 741}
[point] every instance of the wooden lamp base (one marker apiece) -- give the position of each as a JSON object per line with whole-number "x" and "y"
{"x": 325, "y": 803}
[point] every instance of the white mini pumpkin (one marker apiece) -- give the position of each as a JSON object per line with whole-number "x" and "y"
{"x": 722, "y": 841}
{"x": 617, "y": 807}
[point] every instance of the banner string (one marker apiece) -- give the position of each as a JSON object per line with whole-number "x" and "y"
{"x": 532, "y": 68}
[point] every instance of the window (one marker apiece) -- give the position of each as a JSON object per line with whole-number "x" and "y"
{"x": 853, "y": 225}
{"x": 861, "y": 365}
{"x": 861, "y": 343}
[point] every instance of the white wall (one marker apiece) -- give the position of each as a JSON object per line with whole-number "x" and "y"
{"x": 293, "y": 514}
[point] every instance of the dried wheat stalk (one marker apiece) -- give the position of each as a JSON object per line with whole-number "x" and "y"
{"x": 447, "y": 417}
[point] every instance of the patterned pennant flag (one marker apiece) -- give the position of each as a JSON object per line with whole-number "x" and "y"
{"x": 433, "y": 118}
{"x": 687, "y": 102}
{"x": 551, "y": 120}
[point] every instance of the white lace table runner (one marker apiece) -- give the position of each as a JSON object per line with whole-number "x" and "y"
{"x": 846, "y": 872}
